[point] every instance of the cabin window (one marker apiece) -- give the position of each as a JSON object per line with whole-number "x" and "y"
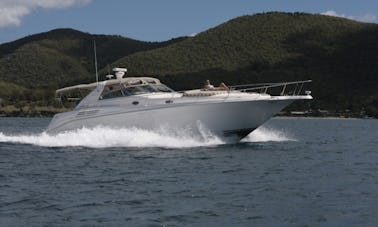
{"x": 137, "y": 90}
{"x": 111, "y": 91}
{"x": 161, "y": 88}
{"x": 133, "y": 90}
{"x": 114, "y": 91}
{"x": 113, "y": 94}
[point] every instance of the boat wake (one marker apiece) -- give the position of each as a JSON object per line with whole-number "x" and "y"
{"x": 101, "y": 137}
{"x": 267, "y": 134}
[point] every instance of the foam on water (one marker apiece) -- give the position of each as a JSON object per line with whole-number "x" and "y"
{"x": 108, "y": 137}
{"x": 266, "y": 134}
{"x": 100, "y": 137}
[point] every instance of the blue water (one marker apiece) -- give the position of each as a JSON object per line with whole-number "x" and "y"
{"x": 290, "y": 172}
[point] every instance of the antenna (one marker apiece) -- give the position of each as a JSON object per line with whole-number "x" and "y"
{"x": 94, "y": 45}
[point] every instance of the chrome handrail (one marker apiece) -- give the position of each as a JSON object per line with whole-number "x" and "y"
{"x": 263, "y": 87}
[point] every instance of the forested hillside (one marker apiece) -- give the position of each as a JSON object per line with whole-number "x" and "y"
{"x": 63, "y": 56}
{"x": 339, "y": 55}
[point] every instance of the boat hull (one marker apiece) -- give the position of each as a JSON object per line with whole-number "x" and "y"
{"x": 230, "y": 121}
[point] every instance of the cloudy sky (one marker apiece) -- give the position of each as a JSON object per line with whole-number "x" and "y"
{"x": 156, "y": 20}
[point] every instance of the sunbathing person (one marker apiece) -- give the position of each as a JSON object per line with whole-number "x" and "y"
{"x": 223, "y": 87}
{"x": 208, "y": 85}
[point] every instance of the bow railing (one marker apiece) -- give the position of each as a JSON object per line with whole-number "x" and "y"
{"x": 282, "y": 88}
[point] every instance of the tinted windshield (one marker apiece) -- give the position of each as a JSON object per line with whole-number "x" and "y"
{"x": 161, "y": 88}
{"x": 118, "y": 91}
{"x": 146, "y": 89}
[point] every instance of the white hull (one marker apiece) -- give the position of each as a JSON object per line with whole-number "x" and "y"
{"x": 231, "y": 120}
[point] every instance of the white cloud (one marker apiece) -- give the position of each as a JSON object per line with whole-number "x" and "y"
{"x": 12, "y": 11}
{"x": 368, "y": 17}
{"x": 11, "y": 16}
{"x": 333, "y": 13}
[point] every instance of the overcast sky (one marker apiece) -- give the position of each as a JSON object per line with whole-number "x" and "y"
{"x": 156, "y": 20}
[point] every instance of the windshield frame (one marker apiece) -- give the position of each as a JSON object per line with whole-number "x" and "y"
{"x": 112, "y": 91}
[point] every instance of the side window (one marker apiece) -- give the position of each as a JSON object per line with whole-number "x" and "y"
{"x": 162, "y": 88}
{"x": 133, "y": 90}
{"x": 111, "y": 91}
{"x": 126, "y": 92}
{"x": 113, "y": 94}
{"x": 149, "y": 88}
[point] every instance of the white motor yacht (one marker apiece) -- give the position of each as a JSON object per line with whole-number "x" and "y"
{"x": 230, "y": 113}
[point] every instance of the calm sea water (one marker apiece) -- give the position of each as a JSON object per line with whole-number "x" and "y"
{"x": 290, "y": 172}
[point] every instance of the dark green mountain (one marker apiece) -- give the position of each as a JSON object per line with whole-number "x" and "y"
{"x": 339, "y": 55}
{"x": 63, "y": 56}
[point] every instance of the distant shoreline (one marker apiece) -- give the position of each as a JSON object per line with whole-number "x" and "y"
{"x": 337, "y": 115}
{"x": 27, "y": 111}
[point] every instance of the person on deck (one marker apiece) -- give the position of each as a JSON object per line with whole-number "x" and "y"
{"x": 208, "y": 86}
{"x": 222, "y": 86}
